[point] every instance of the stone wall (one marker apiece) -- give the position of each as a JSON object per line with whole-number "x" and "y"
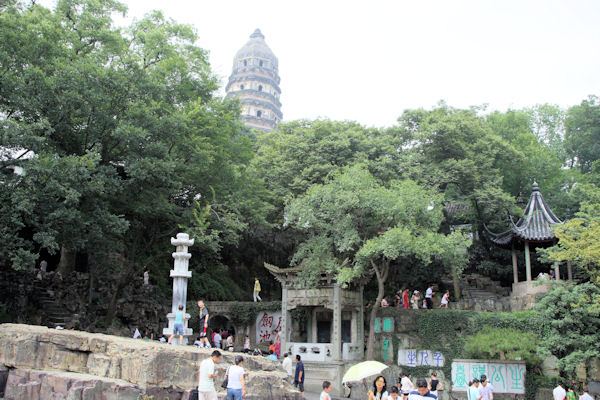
{"x": 44, "y": 363}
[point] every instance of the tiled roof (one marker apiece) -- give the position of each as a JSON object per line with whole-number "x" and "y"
{"x": 536, "y": 225}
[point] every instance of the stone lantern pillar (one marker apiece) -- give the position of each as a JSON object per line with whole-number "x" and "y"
{"x": 180, "y": 275}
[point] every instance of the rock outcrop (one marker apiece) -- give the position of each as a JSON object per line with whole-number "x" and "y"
{"x": 45, "y": 363}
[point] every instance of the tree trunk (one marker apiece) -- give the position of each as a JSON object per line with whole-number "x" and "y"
{"x": 112, "y": 307}
{"x": 381, "y": 277}
{"x": 456, "y": 284}
{"x": 66, "y": 265}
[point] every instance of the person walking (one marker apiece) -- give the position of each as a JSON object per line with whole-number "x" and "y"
{"x": 179, "y": 324}
{"x": 445, "y": 299}
{"x": 378, "y": 390}
{"x": 146, "y": 276}
{"x": 559, "y": 392}
{"x": 422, "y": 392}
{"x": 203, "y": 317}
{"x": 287, "y": 364}
{"x": 326, "y": 389}
{"x": 406, "y": 385}
{"x": 473, "y": 392}
{"x": 435, "y": 384}
{"x": 571, "y": 395}
{"x": 405, "y": 301}
{"x": 277, "y": 343}
{"x": 429, "y": 297}
{"x": 486, "y": 390}
{"x": 206, "y": 376}
{"x": 415, "y": 299}
{"x": 586, "y": 395}
{"x": 256, "y": 290}
{"x": 236, "y": 386}
{"x": 299, "y": 375}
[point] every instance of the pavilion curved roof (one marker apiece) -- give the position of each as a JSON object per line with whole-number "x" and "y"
{"x": 536, "y": 225}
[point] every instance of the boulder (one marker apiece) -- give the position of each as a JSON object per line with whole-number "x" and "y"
{"x": 135, "y": 363}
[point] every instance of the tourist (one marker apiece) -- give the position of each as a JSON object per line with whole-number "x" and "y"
{"x": 585, "y": 395}
{"x": 217, "y": 339}
{"x": 287, "y": 364}
{"x": 571, "y": 395}
{"x": 230, "y": 340}
{"x": 236, "y": 387}
{"x": 406, "y": 385}
{"x": 197, "y": 342}
{"x": 377, "y": 391}
{"x": 405, "y": 301}
{"x": 246, "y": 344}
{"x": 179, "y": 323}
{"x": 256, "y": 290}
{"x": 429, "y": 297}
{"x": 445, "y": 299}
{"x": 272, "y": 356}
{"x": 326, "y": 390}
{"x": 206, "y": 376}
{"x": 384, "y": 302}
{"x": 422, "y": 391}
{"x": 398, "y": 298}
{"x": 486, "y": 390}
{"x": 299, "y": 374}
{"x": 552, "y": 274}
{"x": 394, "y": 393}
{"x": 435, "y": 384}
{"x": 277, "y": 343}
{"x": 415, "y": 299}
{"x": 473, "y": 392}
{"x": 203, "y": 317}
{"x": 559, "y": 392}
{"x": 146, "y": 276}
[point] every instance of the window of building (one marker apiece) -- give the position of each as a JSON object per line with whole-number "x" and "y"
{"x": 259, "y": 113}
{"x": 260, "y": 88}
{"x": 242, "y": 87}
{"x": 245, "y": 63}
{"x": 260, "y": 63}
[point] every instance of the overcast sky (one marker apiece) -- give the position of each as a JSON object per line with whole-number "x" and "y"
{"x": 369, "y": 60}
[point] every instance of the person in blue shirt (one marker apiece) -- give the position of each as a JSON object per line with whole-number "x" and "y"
{"x": 272, "y": 356}
{"x": 299, "y": 375}
{"x": 422, "y": 392}
{"x": 179, "y": 322}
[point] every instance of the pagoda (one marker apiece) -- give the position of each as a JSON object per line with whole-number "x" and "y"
{"x": 534, "y": 229}
{"x": 254, "y": 81}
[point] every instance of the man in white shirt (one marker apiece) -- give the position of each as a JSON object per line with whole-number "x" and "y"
{"x": 586, "y": 396}
{"x": 287, "y": 364}
{"x": 206, "y": 375}
{"x": 429, "y": 297}
{"x": 486, "y": 390}
{"x": 559, "y": 392}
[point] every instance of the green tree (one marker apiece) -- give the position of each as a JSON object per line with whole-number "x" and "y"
{"x": 583, "y": 133}
{"x": 123, "y": 137}
{"x": 503, "y": 344}
{"x": 570, "y": 325}
{"x": 357, "y": 227}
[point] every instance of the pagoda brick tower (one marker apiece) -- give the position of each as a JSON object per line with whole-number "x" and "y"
{"x": 255, "y": 81}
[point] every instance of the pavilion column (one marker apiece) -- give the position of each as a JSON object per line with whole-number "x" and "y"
{"x": 527, "y": 262}
{"x": 570, "y": 270}
{"x": 515, "y": 265}
{"x": 557, "y": 270}
{"x": 336, "y": 338}
{"x": 283, "y": 335}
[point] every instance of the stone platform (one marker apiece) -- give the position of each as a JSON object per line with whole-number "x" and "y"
{"x": 42, "y": 363}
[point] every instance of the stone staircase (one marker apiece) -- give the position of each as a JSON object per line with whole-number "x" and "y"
{"x": 481, "y": 293}
{"x": 56, "y": 315}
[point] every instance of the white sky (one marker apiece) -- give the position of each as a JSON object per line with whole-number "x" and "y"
{"x": 369, "y": 60}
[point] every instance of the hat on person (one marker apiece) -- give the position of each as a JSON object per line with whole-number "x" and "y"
{"x": 416, "y": 291}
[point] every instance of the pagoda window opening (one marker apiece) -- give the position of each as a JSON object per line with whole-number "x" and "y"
{"x": 260, "y": 63}
{"x": 259, "y": 113}
{"x": 242, "y": 87}
{"x": 245, "y": 63}
{"x": 260, "y": 88}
